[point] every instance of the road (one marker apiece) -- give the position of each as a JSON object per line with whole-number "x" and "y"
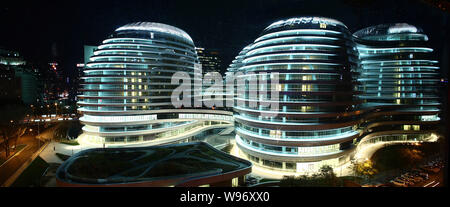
{"x": 10, "y": 167}
{"x": 434, "y": 180}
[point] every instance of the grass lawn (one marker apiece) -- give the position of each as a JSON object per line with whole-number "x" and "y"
{"x": 31, "y": 176}
{"x": 69, "y": 142}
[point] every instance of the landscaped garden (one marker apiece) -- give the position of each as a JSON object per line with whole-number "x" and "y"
{"x": 149, "y": 163}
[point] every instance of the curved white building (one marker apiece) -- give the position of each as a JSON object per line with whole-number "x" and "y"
{"x": 127, "y": 88}
{"x": 399, "y": 82}
{"x": 318, "y": 113}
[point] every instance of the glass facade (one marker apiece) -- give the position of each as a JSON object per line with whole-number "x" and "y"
{"x": 318, "y": 113}
{"x": 127, "y": 84}
{"x": 399, "y": 79}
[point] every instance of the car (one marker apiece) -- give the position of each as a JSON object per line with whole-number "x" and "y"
{"x": 417, "y": 179}
{"x": 424, "y": 175}
{"x": 405, "y": 177}
{"x": 435, "y": 169}
{"x": 399, "y": 184}
{"x": 404, "y": 180}
{"x": 400, "y": 180}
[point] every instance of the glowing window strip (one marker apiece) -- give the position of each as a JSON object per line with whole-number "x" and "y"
{"x": 287, "y": 63}
{"x": 276, "y": 122}
{"x": 336, "y": 136}
{"x": 393, "y": 48}
{"x": 157, "y": 58}
{"x": 291, "y": 38}
{"x": 295, "y": 31}
{"x": 252, "y": 148}
{"x": 132, "y": 39}
{"x": 118, "y": 118}
{"x": 290, "y": 46}
{"x": 396, "y": 61}
{"x": 206, "y": 116}
{"x": 143, "y": 46}
{"x": 287, "y": 54}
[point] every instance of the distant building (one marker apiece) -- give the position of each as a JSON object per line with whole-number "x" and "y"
{"x": 18, "y": 80}
{"x": 10, "y": 86}
{"x": 209, "y": 59}
{"x": 88, "y": 51}
{"x": 29, "y": 84}
{"x": 9, "y": 57}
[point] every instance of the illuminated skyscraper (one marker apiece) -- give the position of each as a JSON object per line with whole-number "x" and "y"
{"x": 399, "y": 81}
{"x": 127, "y": 86}
{"x": 209, "y": 59}
{"x": 318, "y": 113}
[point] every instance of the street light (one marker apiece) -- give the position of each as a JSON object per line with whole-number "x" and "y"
{"x": 56, "y": 109}
{"x": 48, "y": 109}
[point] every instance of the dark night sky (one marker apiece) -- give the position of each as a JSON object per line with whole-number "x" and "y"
{"x": 42, "y": 30}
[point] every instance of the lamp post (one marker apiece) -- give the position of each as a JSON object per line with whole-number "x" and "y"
{"x": 48, "y": 110}
{"x": 56, "y": 110}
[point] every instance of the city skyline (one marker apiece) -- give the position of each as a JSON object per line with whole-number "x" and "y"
{"x": 338, "y": 94}
{"x": 225, "y": 26}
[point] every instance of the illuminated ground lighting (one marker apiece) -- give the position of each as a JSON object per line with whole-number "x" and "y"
{"x": 369, "y": 146}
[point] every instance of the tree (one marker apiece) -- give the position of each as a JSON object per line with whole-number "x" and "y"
{"x": 328, "y": 176}
{"x": 10, "y": 126}
{"x": 324, "y": 178}
{"x": 412, "y": 156}
{"x": 364, "y": 168}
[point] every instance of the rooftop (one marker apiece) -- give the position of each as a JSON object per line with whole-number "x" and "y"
{"x": 387, "y": 29}
{"x": 156, "y": 27}
{"x": 305, "y": 20}
{"x": 169, "y": 164}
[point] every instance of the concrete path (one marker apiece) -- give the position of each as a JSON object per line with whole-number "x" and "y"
{"x": 49, "y": 153}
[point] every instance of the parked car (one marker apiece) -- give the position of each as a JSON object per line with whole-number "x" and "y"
{"x": 404, "y": 180}
{"x": 418, "y": 179}
{"x": 398, "y": 183}
{"x": 424, "y": 175}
